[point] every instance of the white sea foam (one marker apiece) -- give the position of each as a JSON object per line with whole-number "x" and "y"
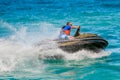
{"x": 13, "y": 54}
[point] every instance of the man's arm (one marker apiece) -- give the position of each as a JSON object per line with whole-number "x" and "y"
{"x": 74, "y": 27}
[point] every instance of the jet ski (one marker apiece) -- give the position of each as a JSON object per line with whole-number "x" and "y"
{"x": 87, "y": 41}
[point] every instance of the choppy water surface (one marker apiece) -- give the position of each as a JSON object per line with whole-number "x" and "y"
{"x": 27, "y": 30}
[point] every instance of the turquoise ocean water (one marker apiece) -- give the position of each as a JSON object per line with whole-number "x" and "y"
{"x": 27, "y": 28}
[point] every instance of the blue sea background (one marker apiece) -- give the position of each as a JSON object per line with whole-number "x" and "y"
{"x": 27, "y": 28}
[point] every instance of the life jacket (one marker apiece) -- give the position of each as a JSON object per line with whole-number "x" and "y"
{"x": 66, "y": 29}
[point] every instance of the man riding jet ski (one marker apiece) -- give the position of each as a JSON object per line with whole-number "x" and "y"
{"x": 65, "y": 31}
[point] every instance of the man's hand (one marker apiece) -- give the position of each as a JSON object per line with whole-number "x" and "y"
{"x": 78, "y": 27}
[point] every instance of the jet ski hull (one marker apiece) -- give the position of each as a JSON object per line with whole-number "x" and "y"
{"x": 88, "y": 42}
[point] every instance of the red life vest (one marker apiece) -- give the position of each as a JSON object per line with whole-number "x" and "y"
{"x": 67, "y": 32}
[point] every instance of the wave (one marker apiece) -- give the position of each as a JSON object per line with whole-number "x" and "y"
{"x": 111, "y": 4}
{"x": 17, "y": 55}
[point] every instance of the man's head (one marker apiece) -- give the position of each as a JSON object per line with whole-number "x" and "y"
{"x": 69, "y": 24}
